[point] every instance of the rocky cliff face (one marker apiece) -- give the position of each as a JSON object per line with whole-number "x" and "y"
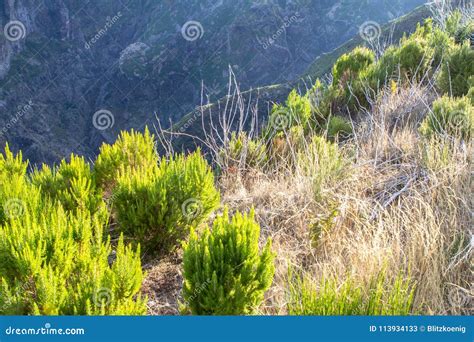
{"x": 74, "y": 73}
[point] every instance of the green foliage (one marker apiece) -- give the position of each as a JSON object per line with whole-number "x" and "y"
{"x": 459, "y": 28}
{"x": 381, "y": 296}
{"x": 338, "y": 126}
{"x": 132, "y": 150}
{"x": 296, "y": 112}
{"x": 457, "y": 71}
{"x": 441, "y": 43}
{"x": 16, "y": 194}
{"x": 11, "y": 165}
{"x": 470, "y": 95}
{"x": 452, "y": 116}
{"x": 349, "y": 65}
{"x": 414, "y": 58}
{"x": 224, "y": 271}
{"x": 349, "y": 77}
{"x": 72, "y": 184}
{"x": 55, "y": 261}
{"x": 244, "y": 152}
{"x": 156, "y": 206}
{"x": 323, "y": 162}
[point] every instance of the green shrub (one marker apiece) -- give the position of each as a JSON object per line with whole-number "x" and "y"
{"x": 442, "y": 44}
{"x": 348, "y": 66}
{"x": 452, "y": 116}
{"x": 337, "y": 127}
{"x": 381, "y": 296}
{"x": 132, "y": 150}
{"x": 323, "y": 162}
{"x": 350, "y": 81}
{"x": 224, "y": 271}
{"x": 16, "y": 194}
{"x": 72, "y": 184}
{"x": 296, "y": 112}
{"x": 57, "y": 263}
{"x": 415, "y": 58}
{"x": 459, "y": 28}
{"x": 457, "y": 70}
{"x": 243, "y": 152}
{"x": 155, "y": 206}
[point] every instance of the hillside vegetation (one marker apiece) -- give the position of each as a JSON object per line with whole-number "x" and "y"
{"x": 353, "y": 198}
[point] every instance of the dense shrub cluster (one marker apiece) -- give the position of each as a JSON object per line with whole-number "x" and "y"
{"x": 56, "y": 257}
{"x": 55, "y": 260}
{"x": 132, "y": 150}
{"x": 156, "y": 206}
{"x": 225, "y": 273}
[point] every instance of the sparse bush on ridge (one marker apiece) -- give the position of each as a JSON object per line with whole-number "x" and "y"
{"x": 225, "y": 272}
{"x": 349, "y": 65}
{"x": 295, "y": 112}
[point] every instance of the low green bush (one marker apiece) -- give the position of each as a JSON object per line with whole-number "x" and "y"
{"x": 17, "y": 195}
{"x": 156, "y": 206}
{"x": 225, "y": 273}
{"x": 295, "y": 112}
{"x": 56, "y": 261}
{"x": 132, "y": 150}
{"x": 243, "y": 152}
{"x": 323, "y": 162}
{"x": 348, "y": 66}
{"x": 451, "y": 116}
{"x": 457, "y": 72}
{"x": 72, "y": 184}
{"x": 338, "y": 127}
{"x": 381, "y": 296}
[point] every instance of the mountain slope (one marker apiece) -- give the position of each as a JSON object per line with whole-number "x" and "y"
{"x": 278, "y": 93}
{"x": 129, "y": 60}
